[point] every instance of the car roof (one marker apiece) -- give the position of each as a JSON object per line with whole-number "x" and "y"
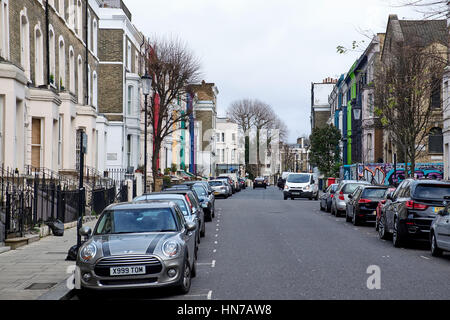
{"x": 427, "y": 181}
{"x": 168, "y": 195}
{"x": 142, "y": 205}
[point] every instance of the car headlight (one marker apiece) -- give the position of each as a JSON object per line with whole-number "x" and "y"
{"x": 171, "y": 249}
{"x": 88, "y": 252}
{"x": 307, "y": 188}
{"x": 286, "y": 188}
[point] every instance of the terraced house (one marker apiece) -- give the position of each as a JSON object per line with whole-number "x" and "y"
{"x": 121, "y": 65}
{"x": 48, "y": 82}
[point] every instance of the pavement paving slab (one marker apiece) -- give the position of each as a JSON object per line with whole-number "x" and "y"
{"x": 40, "y": 263}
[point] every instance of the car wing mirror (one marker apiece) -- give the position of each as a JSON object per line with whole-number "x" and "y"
{"x": 350, "y": 196}
{"x": 85, "y": 232}
{"x": 190, "y": 226}
{"x": 389, "y": 196}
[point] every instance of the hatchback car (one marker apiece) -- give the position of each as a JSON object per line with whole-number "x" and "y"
{"x": 220, "y": 188}
{"x": 340, "y": 199}
{"x": 260, "y": 183}
{"x": 440, "y": 232}
{"x": 327, "y": 197}
{"x": 362, "y": 204}
{"x": 410, "y": 211}
{"x": 206, "y": 201}
{"x": 381, "y": 205}
{"x": 138, "y": 245}
{"x": 229, "y": 181}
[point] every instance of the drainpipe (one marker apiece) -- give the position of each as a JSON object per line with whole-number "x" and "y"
{"x": 86, "y": 33}
{"x": 47, "y": 41}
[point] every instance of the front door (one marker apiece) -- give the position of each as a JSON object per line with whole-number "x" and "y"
{"x": 36, "y": 143}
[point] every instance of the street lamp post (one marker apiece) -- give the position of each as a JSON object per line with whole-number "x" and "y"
{"x": 146, "y": 90}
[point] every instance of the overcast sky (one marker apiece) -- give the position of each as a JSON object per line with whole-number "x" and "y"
{"x": 269, "y": 50}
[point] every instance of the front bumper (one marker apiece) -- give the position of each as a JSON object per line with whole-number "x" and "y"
{"x": 156, "y": 279}
{"x": 341, "y": 205}
{"x": 298, "y": 194}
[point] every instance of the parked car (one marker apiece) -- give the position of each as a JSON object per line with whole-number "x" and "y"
{"x": 362, "y": 204}
{"x": 301, "y": 185}
{"x": 230, "y": 182}
{"x": 242, "y": 183}
{"x": 260, "y": 182}
{"x": 340, "y": 199}
{"x": 233, "y": 180}
{"x": 211, "y": 197}
{"x": 410, "y": 211}
{"x": 440, "y": 232}
{"x": 182, "y": 202}
{"x": 327, "y": 197}
{"x": 381, "y": 205}
{"x": 138, "y": 245}
{"x": 206, "y": 201}
{"x": 220, "y": 188}
{"x": 194, "y": 203}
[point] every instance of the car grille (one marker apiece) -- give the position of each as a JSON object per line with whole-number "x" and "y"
{"x": 152, "y": 264}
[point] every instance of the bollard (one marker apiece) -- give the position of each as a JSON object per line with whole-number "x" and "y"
{"x": 129, "y": 184}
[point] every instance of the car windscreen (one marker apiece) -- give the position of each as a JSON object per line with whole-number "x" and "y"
{"x": 428, "y": 191}
{"x": 371, "y": 193}
{"x": 350, "y": 188}
{"x": 201, "y": 192}
{"x": 215, "y": 183}
{"x": 136, "y": 221}
{"x": 299, "y": 178}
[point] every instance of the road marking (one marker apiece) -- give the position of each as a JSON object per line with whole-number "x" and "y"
{"x": 215, "y": 242}
{"x": 425, "y": 257}
{"x": 214, "y": 251}
{"x": 209, "y": 296}
{"x": 216, "y": 235}
{"x": 217, "y": 229}
{"x": 217, "y": 225}
{"x": 213, "y": 264}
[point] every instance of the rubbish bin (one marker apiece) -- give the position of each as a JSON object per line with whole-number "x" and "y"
{"x": 331, "y": 181}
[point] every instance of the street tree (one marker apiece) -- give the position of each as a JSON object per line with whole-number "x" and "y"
{"x": 173, "y": 67}
{"x": 325, "y": 150}
{"x": 408, "y": 100}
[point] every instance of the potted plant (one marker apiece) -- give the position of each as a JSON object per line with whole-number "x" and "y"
{"x": 52, "y": 79}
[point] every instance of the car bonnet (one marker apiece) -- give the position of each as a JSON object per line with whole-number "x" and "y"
{"x": 146, "y": 244}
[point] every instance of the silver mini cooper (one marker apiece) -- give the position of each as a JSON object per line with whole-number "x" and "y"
{"x": 138, "y": 245}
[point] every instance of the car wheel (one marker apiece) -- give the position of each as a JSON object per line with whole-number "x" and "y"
{"x": 397, "y": 239}
{"x": 317, "y": 197}
{"x": 194, "y": 269}
{"x": 435, "y": 251}
{"x": 185, "y": 281}
{"x": 208, "y": 217}
{"x": 285, "y": 198}
{"x": 203, "y": 231}
{"x": 328, "y": 208}
{"x": 321, "y": 208}
{"x": 382, "y": 233}
{"x": 377, "y": 224}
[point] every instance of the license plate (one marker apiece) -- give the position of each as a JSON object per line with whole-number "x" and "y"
{"x": 437, "y": 209}
{"x": 374, "y": 213}
{"x": 123, "y": 271}
{"x": 216, "y": 193}
{"x": 296, "y": 193}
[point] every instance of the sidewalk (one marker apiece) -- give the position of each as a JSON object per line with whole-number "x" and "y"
{"x": 41, "y": 264}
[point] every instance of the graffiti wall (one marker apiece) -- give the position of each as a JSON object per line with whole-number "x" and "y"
{"x": 386, "y": 174}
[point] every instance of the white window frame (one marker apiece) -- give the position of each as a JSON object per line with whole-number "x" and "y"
{"x": 95, "y": 90}
{"x": 61, "y": 9}
{"x": 62, "y": 63}
{"x": 129, "y": 56}
{"x": 95, "y": 36}
{"x": 25, "y": 57}
{"x": 72, "y": 84}
{"x": 52, "y": 54}
{"x": 130, "y": 99}
{"x": 4, "y": 29}
{"x": 38, "y": 56}
{"x": 80, "y": 81}
{"x": 60, "y": 141}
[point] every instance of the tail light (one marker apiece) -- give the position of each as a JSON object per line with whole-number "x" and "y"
{"x": 415, "y": 206}
{"x": 383, "y": 201}
{"x": 341, "y": 196}
{"x": 363, "y": 201}
{"x": 332, "y": 196}
{"x": 188, "y": 200}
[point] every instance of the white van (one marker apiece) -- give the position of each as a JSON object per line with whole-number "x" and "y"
{"x": 301, "y": 185}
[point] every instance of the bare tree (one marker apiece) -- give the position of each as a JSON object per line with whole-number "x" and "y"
{"x": 431, "y": 9}
{"x": 407, "y": 95}
{"x": 173, "y": 68}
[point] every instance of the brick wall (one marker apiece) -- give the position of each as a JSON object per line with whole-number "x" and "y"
{"x": 320, "y": 119}
{"x": 36, "y": 16}
{"x": 110, "y": 89}
{"x": 110, "y": 46}
{"x": 206, "y": 118}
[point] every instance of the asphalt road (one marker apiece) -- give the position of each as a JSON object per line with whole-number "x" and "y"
{"x": 262, "y": 247}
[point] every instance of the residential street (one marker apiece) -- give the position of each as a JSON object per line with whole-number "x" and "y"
{"x": 261, "y": 247}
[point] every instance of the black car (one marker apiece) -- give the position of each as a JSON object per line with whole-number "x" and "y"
{"x": 411, "y": 209}
{"x": 260, "y": 183}
{"x": 242, "y": 183}
{"x": 362, "y": 204}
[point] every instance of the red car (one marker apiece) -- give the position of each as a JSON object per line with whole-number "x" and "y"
{"x": 381, "y": 205}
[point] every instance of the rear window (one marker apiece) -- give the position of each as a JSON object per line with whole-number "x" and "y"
{"x": 299, "y": 178}
{"x": 215, "y": 183}
{"x": 432, "y": 191}
{"x": 374, "y": 193}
